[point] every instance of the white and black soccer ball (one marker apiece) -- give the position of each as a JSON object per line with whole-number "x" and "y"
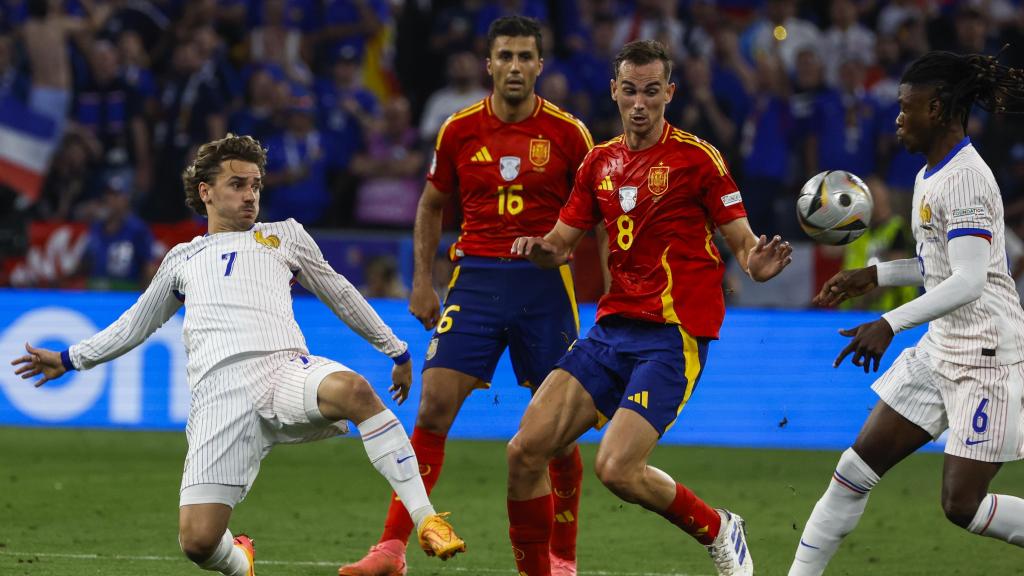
{"x": 834, "y": 207}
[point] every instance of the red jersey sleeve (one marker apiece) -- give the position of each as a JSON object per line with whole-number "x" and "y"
{"x": 581, "y": 210}
{"x": 721, "y": 195}
{"x": 442, "y": 173}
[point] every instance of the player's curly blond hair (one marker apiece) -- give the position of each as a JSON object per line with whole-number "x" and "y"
{"x": 206, "y": 166}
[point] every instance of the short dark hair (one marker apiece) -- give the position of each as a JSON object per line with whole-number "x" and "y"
{"x": 515, "y": 26}
{"x": 206, "y": 166}
{"x": 963, "y": 80}
{"x": 640, "y": 52}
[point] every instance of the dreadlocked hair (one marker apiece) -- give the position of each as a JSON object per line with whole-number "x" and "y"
{"x": 963, "y": 80}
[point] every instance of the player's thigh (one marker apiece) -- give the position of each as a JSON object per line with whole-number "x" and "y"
{"x": 986, "y": 411}
{"x": 627, "y": 444}
{"x": 311, "y": 397}
{"x": 559, "y": 413}
{"x": 911, "y": 412}
{"x": 471, "y": 335}
{"x": 224, "y": 433}
{"x": 545, "y": 323}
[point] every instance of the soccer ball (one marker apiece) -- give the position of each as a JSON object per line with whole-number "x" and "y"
{"x": 834, "y": 207}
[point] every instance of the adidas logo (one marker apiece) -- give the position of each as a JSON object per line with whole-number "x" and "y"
{"x": 640, "y": 398}
{"x": 606, "y": 184}
{"x": 482, "y": 155}
{"x": 565, "y": 517}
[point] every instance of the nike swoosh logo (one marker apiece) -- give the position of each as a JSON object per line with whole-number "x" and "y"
{"x": 189, "y": 257}
{"x": 970, "y": 442}
{"x": 802, "y": 543}
{"x": 400, "y": 460}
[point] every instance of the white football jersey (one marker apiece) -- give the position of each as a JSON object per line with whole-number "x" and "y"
{"x": 957, "y": 197}
{"x": 236, "y": 288}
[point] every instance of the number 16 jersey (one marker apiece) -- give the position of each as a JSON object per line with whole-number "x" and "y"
{"x": 512, "y": 178}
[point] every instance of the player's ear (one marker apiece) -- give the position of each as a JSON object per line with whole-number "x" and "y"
{"x": 204, "y": 192}
{"x": 670, "y": 91}
{"x": 613, "y": 87}
{"x": 487, "y": 61}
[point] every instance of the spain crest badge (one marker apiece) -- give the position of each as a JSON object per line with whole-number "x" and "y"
{"x": 657, "y": 180}
{"x": 540, "y": 151}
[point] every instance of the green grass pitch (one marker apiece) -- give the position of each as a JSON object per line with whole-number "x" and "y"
{"x": 104, "y": 503}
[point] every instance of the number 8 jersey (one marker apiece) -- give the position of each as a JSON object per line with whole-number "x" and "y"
{"x": 511, "y": 178}
{"x": 660, "y": 207}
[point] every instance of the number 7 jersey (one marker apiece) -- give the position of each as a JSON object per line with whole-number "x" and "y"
{"x": 660, "y": 207}
{"x": 512, "y": 178}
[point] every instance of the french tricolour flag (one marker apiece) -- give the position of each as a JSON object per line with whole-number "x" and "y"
{"x": 27, "y": 142}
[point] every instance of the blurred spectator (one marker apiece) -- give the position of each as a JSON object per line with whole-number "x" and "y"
{"x": 452, "y": 32}
{"x": 120, "y": 252}
{"x": 45, "y": 36}
{"x": 391, "y": 170}
{"x": 896, "y": 12}
{"x": 846, "y": 126}
{"x": 13, "y": 84}
{"x": 382, "y": 279}
{"x": 137, "y": 72}
{"x": 781, "y": 33}
{"x": 652, "y": 20}
{"x": 766, "y": 138}
{"x": 69, "y": 192}
{"x": 276, "y": 43}
{"x": 846, "y": 38}
{"x": 346, "y": 108}
{"x": 256, "y": 118}
{"x": 699, "y": 28}
{"x": 703, "y": 112}
{"x": 351, "y": 23}
{"x": 594, "y": 71}
{"x": 296, "y": 181}
{"x": 216, "y": 65}
{"x": 192, "y": 113}
{"x": 463, "y": 89}
{"x": 971, "y": 29}
{"x": 111, "y": 111}
{"x": 554, "y": 87}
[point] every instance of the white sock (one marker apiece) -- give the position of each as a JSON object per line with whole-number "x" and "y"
{"x": 227, "y": 559}
{"x": 835, "y": 515}
{"x": 389, "y": 450}
{"x": 1000, "y": 517}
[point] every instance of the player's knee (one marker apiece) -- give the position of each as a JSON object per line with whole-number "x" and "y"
{"x": 524, "y": 455}
{"x": 437, "y": 408}
{"x": 960, "y": 510}
{"x": 347, "y": 395}
{"x": 196, "y": 545}
{"x": 621, "y": 480}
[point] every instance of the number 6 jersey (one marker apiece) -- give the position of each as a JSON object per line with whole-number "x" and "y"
{"x": 511, "y": 178}
{"x": 660, "y": 207}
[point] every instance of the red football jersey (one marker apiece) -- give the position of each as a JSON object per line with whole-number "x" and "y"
{"x": 512, "y": 179}
{"x": 660, "y": 207}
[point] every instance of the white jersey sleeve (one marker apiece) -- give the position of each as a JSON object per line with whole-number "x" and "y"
{"x": 334, "y": 290}
{"x": 156, "y": 305}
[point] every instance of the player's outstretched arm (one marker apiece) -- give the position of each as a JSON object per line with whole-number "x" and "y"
{"x": 39, "y": 361}
{"x": 846, "y": 284}
{"x": 553, "y": 249}
{"x": 760, "y": 258}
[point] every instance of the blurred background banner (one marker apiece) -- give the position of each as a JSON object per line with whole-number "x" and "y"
{"x": 769, "y": 381}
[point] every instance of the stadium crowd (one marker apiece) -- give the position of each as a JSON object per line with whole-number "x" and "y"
{"x": 348, "y": 96}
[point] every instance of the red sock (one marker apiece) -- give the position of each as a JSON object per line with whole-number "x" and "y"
{"x": 530, "y": 531}
{"x": 694, "y": 516}
{"x": 566, "y": 479}
{"x": 429, "y": 449}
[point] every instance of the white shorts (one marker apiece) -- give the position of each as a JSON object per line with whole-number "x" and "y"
{"x": 240, "y": 411}
{"x": 982, "y": 407}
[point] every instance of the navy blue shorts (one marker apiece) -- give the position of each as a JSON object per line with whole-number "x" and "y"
{"x": 495, "y": 303}
{"x": 649, "y": 368}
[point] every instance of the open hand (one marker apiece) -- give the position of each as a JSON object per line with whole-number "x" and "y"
{"x": 39, "y": 361}
{"x": 869, "y": 343}
{"x": 766, "y": 259}
{"x": 845, "y": 285}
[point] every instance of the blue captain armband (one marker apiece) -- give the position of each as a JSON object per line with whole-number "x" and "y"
{"x": 65, "y": 359}
{"x": 402, "y": 358}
